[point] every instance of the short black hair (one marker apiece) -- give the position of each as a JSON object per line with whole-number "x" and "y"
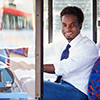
{"x": 74, "y": 11}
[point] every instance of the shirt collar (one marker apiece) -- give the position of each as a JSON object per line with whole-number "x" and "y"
{"x": 76, "y": 40}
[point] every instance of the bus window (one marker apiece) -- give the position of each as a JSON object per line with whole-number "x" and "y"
{"x": 19, "y": 22}
{"x": 15, "y": 22}
{"x": 0, "y": 22}
{"x": 85, "y": 5}
{"x": 5, "y": 21}
{"x": 98, "y": 22}
{"x": 11, "y": 22}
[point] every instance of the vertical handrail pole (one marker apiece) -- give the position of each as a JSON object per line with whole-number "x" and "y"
{"x": 39, "y": 50}
{"x": 50, "y": 21}
{"x": 95, "y": 21}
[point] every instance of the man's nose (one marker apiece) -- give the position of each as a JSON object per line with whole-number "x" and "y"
{"x": 68, "y": 28}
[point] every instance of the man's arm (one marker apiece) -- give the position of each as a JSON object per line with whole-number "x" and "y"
{"x": 49, "y": 68}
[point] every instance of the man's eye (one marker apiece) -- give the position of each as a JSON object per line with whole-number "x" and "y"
{"x": 73, "y": 24}
{"x": 63, "y": 25}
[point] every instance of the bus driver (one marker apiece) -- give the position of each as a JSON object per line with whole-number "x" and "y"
{"x": 74, "y": 58}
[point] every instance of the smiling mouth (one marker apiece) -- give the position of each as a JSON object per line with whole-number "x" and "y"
{"x": 68, "y": 33}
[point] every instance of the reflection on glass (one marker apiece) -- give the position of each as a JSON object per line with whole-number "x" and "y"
{"x": 17, "y": 40}
{"x": 16, "y": 21}
{"x": 17, "y": 24}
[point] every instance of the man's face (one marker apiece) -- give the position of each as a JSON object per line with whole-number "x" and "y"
{"x": 70, "y": 26}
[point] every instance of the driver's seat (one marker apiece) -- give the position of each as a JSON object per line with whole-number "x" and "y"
{"x": 94, "y": 81}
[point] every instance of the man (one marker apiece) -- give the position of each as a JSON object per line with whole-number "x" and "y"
{"x": 75, "y": 69}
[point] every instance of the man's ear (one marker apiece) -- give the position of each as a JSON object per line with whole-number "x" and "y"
{"x": 80, "y": 26}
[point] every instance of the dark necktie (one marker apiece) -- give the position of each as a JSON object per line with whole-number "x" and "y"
{"x": 65, "y": 55}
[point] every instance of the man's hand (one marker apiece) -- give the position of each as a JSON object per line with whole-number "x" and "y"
{"x": 49, "y": 68}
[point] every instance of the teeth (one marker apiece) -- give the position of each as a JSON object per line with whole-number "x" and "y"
{"x": 69, "y": 33}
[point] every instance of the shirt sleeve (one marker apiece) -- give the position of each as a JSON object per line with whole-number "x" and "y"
{"x": 81, "y": 58}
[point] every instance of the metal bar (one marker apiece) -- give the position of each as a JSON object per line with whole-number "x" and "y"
{"x": 95, "y": 21}
{"x": 39, "y": 49}
{"x": 50, "y": 21}
{"x": 98, "y": 22}
{"x": 0, "y": 76}
{"x": 14, "y": 95}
